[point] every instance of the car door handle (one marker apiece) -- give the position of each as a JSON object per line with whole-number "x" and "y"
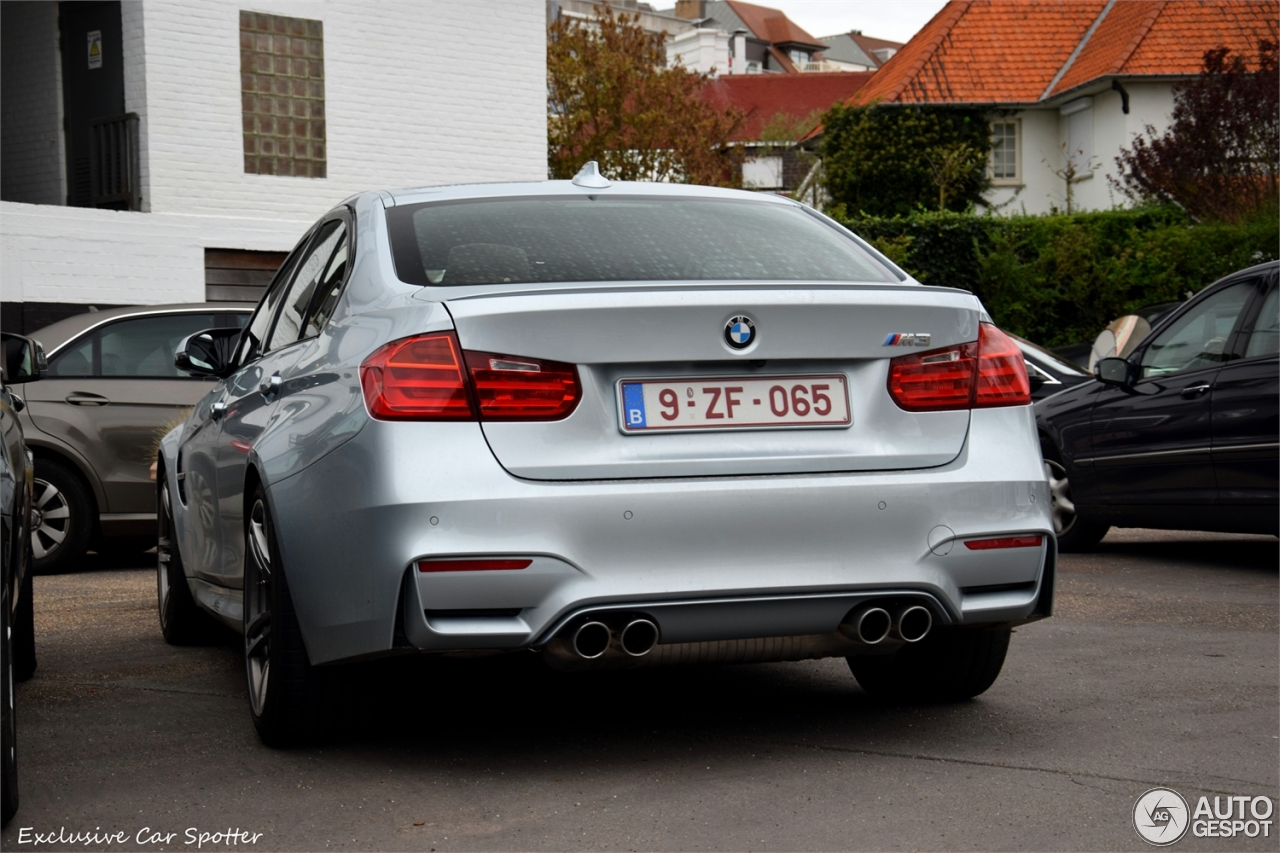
{"x": 1195, "y": 390}
{"x": 219, "y": 409}
{"x": 270, "y": 387}
{"x": 81, "y": 398}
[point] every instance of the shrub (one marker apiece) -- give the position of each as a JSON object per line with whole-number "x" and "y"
{"x": 1060, "y": 279}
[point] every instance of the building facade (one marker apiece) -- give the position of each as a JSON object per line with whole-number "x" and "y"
{"x": 1067, "y": 86}
{"x": 148, "y": 144}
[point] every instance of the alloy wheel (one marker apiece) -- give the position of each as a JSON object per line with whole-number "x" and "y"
{"x": 50, "y": 519}
{"x": 257, "y": 607}
{"x": 163, "y": 554}
{"x": 1064, "y": 511}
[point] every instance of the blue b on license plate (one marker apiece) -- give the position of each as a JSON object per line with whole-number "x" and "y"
{"x": 650, "y": 405}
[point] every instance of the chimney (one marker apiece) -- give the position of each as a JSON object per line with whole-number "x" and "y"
{"x": 691, "y": 10}
{"x": 739, "y": 62}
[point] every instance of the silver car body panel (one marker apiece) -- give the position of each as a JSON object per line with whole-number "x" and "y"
{"x": 778, "y": 533}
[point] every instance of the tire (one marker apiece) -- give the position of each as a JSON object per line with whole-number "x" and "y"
{"x": 182, "y": 621}
{"x": 1074, "y": 533}
{"x": 285, "y": 691}
{"x": 65, "y": 516}
{"x": 949, "y": 665}
{"x": 9, "y": 723}
{"x": 24, "y": 633}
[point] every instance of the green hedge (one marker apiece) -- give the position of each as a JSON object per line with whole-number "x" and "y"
{"x": 1060, "y": 279}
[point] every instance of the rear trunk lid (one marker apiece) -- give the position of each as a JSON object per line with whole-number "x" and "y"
{"x": 803, "y": 335}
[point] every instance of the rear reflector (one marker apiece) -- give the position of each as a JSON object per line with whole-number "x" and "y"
{"x": 981, "y": 374}
{"x": 431, "y": 378}
{"x": 1005, "y": 542}
{"x": 472, "y": 565}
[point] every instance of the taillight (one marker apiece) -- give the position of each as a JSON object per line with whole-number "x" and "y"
{"x": 980, "y": 374}
{"x": 511, "y": 388}
{"x": 430, "y": 377}
{"x": 417, "y": 379}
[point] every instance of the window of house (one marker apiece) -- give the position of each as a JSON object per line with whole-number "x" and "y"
{"x": 282, "y": 94}
{"x": 799, "y": 57}
{"x": 1004, "y": 152}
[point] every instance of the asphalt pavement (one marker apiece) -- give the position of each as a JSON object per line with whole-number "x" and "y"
{"x": 1160, "y": 668}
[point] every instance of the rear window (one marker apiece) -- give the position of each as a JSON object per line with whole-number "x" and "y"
{"x": 503, "y": 241}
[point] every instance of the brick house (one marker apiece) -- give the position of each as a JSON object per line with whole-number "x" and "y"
{"x": 1068, "y": 85}
{"x": 767, "y": 99}
{"x": 156, "y": 151}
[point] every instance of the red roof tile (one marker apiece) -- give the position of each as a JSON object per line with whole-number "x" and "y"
{"x": 1145, "y": 37}
{"x": 772, "y": 25}
{"x": 763, "y": 96}
{"x": 985, "y": 52}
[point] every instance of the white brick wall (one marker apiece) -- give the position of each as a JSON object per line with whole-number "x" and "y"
{"x": 415, "y": 93}
{"x": 427, "y": 92}
{"x": 30, "y": 111}
{"x": 86, "y": 256}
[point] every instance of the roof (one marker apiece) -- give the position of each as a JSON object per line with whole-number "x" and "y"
{"x": 763, "y": 96}
{"x": 856, "y": 48}
{"x": 770, "y": 25}
{"x": 997, "y": 52}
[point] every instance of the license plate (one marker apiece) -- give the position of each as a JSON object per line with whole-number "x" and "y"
{"x": 650, "y": 405}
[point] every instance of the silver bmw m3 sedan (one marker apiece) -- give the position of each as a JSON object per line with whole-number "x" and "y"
{"x": 613, "y": 424}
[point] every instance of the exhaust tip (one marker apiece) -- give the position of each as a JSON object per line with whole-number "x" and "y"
{"x": 914, "y": 623}
{"x": 639, "y": 637}
{"x": 873, "y": 625}
{"x": 591, "y": 640}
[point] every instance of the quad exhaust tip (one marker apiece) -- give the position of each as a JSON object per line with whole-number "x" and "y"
{"x": 639, "y": 637}
{"x": 912, "y": 623}
{"x": 591, "y": 640}
{"x": 872, "y": 625}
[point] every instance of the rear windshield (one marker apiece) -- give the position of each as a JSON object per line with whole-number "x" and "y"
{"x": 504, "y": 241}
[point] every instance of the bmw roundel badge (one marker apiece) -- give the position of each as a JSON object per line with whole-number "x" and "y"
{"x": 740, "y": 332}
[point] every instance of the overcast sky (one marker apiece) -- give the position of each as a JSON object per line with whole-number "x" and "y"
{"x": 895, "y": 20}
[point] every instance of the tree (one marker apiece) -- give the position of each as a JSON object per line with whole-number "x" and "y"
{"x": 1220, "y": 157}
{"x": 611, "y": 99}
{"x": 891, "y": 160}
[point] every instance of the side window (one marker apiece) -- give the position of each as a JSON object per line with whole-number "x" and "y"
{"x": 75, "y": 360}
{"x": 1198, "y": 338}
{"x": 326, "y": 296}
{"x": 138, "y": 347}
{"x": 315, "y": 268}
{"x": 251, "y": 342}
{"x": 1265, "y": 338}
{"x": 144, "y": 346}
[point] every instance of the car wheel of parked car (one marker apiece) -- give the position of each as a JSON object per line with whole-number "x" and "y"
{"x": 283, "y": 685}
{"x": 182, "y": 621}
{"x": 63, "y": 517}
{"x": 24, "y": 633}
{"x": 1074, "y": 533}
{"x": 9, "y": 733}
{"x": 948, "y": 665}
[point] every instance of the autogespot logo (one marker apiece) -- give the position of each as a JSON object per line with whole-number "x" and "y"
{"x": 1160, "y": 816}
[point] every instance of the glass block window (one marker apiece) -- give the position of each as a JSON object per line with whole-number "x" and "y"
{"x": 282, "y": 94}
{"x": 1004, "y": 150}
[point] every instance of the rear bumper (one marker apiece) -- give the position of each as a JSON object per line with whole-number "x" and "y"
{"x": 708, "y": 558}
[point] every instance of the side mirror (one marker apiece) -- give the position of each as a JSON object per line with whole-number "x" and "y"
{"x": 1115, "y": 371}
{"x": 24, "y": 359}
{"x": 1035, "y": 380}
{"x": 207, "y": 353}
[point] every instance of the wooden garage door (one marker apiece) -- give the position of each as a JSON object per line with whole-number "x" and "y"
{"x": 238, "y": 275}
